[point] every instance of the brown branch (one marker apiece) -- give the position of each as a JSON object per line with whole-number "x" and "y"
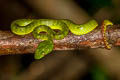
{"x": 14, "y": 44}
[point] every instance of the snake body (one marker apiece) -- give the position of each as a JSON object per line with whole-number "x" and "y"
{"x": 26, "y": 26}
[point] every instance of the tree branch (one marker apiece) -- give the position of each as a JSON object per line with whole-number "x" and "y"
{"x": 15, "y": 44}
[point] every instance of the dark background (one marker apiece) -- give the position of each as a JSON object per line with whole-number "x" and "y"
{"x": 89, "y": 64}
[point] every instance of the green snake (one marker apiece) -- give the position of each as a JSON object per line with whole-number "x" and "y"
{"x": 36, "y": 26}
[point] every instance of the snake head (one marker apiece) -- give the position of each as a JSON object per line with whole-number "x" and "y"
{"x": 44, "y": 48}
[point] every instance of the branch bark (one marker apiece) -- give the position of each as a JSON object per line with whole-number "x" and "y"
{"x": 15, "y": 44}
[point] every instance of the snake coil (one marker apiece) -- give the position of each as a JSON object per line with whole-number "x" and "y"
{"x": 26, "y": 26}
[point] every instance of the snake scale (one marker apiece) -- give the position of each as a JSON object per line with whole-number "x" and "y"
{"x": 36, "y": 26}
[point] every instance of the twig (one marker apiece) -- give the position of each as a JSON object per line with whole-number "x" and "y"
{"x": 15, "y": 44}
